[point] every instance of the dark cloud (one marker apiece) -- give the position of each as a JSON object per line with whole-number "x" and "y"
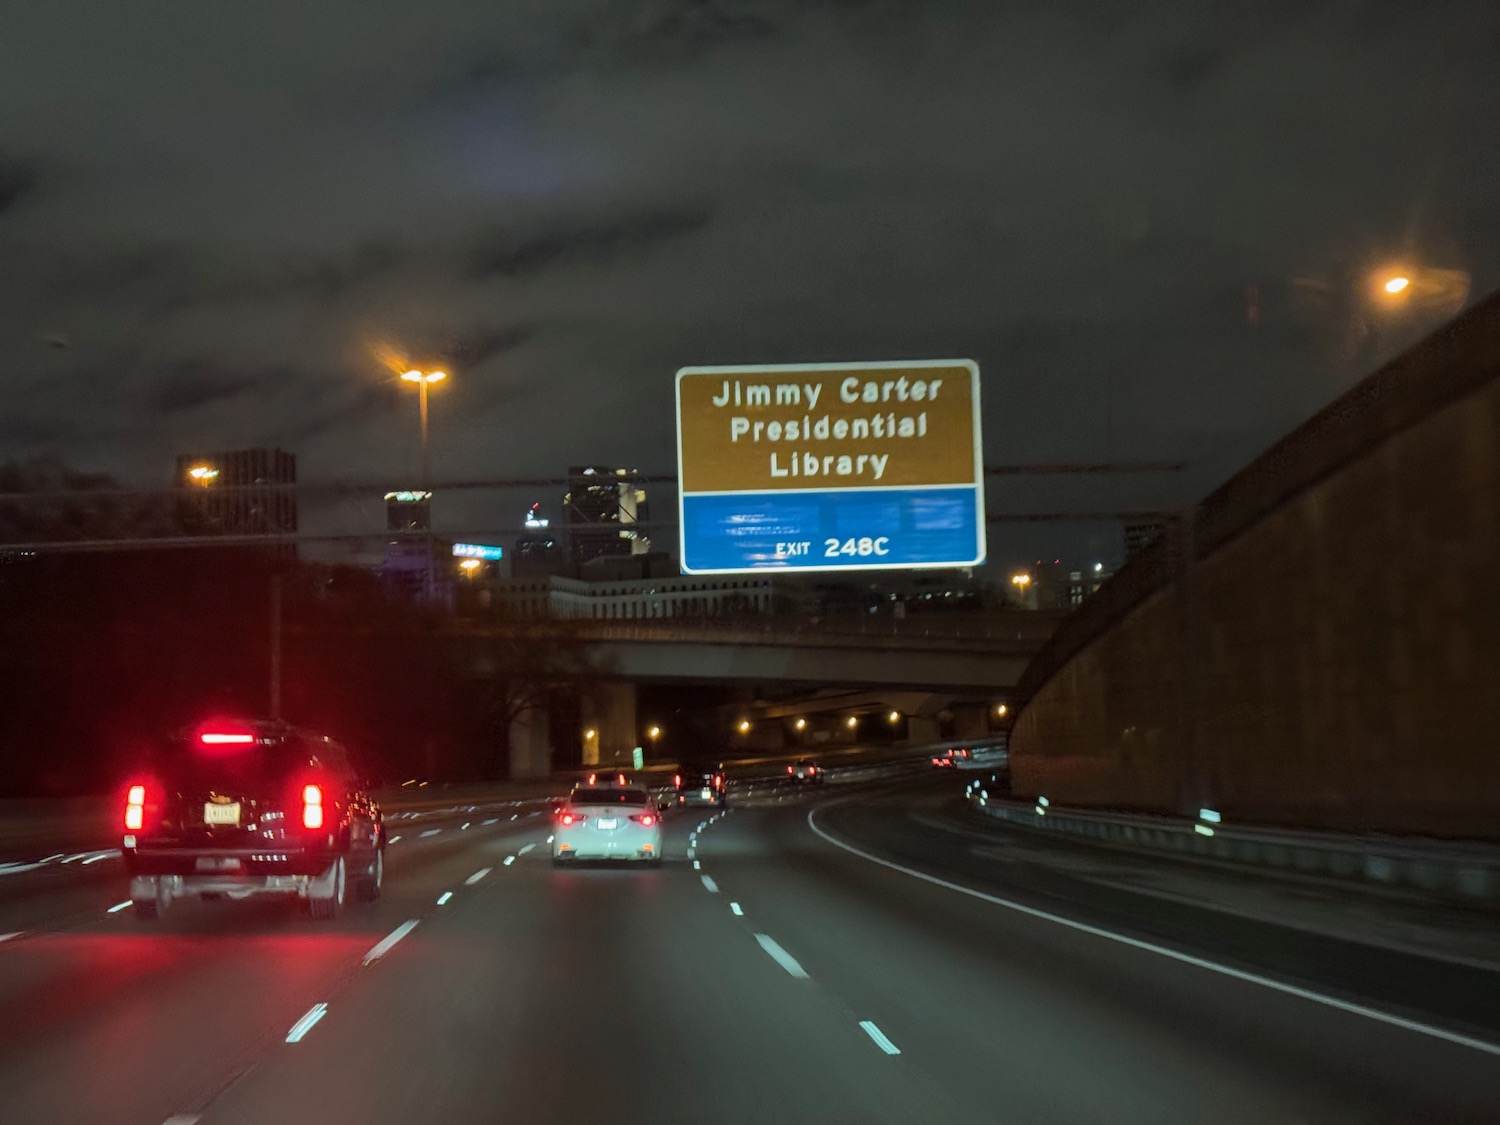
{"x": 599, "y": 243}
{"x": 567, "y": 202}
{"x": 16, "y": 182}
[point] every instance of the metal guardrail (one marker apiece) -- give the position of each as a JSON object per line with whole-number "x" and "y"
{"x": 1469, "y": 871}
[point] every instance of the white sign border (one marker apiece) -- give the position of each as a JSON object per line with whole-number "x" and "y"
{"x": 858, "y": 568}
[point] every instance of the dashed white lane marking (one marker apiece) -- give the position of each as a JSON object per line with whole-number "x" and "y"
{"x": 387, "y": 943}
{"x": 491, "y": 821}
{"x": 692, "y": 853}
{"x": 478, "y": 875}
{"x": 12, "y": 934}
{"x": 710, "y": 885}
{"x": 509, "y": 860}
{"x": 524, "y": 848}
{"x": 1162, "y": 951}
{"x": 880, "y": 1037}
{"x": 734, "y": 908}
{"x": 117, "y": 907}
{"x": 394, "y": 840}
{"x": 444, "y": 897}
{"x": 306, "y": 1023}
{"x": 781, "y": 956}
{"x": 97, "y": 858}
{"x": 432, "y": 832}
{"x": 464, "y": 825}
{"x": 697, "y": 865}
{"x": 75, "y": 856}
{"x": 549, "y": 839}
{"x": 514, "y": 815}
{"x": 50, "y": 858}
{"x": 183, "y": 1119}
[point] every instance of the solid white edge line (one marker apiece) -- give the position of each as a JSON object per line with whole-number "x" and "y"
{"x": 444, "y": 897}
{"x": 781, "y": 956}
{"x": 880, "y": 1037}
{"x": 306, "y": 1023}
{"x": 710, "y": 885}
{"x": 478, "y": 875}
{"x": 735, "y": 909}
{"x": 117, "y": 907}
{"x": 387, "y": 943}
{"x": 1185, "y": 958}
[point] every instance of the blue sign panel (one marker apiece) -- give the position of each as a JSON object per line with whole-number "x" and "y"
{"x": 901, "y": 527}
{"x": 830, "y": 467}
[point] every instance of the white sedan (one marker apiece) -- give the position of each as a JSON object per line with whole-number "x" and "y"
{"x": 607, "y": 822}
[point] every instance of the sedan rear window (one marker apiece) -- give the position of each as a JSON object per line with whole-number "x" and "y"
{"x": 610, "y": 797}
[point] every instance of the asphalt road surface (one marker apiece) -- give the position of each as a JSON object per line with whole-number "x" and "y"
{"x": 767, "y": 973}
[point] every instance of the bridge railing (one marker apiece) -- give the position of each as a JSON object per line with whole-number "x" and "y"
{"x": 1010, "y": 631}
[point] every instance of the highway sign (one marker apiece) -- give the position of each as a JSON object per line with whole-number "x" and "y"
{"x": 830, "y": 466}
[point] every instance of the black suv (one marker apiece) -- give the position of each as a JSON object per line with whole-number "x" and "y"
{"x": 698, "y": 785}
{"x": 245, "y": 808}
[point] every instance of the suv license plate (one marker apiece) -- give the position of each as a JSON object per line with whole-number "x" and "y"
{"x": 221, "y": 814}
{"x": 216, "y": 863}
{"x": 609, "y": 822}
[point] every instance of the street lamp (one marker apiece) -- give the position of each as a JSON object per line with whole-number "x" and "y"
{"x": 653, "y": 732}
{"x": 204, "y": 474}
{"x": 800, "y": 724}
{"x": 852, "y": 721}
{"x": 1001, "y": 709}
{"x": 744, "y": 726}
{"x": 423, "y": 380}
{"x": 1397, "y": 284}
{"x": 894, "y": 717}
{"x": 1020, "y": 581}
{"x": 469, "y": 567}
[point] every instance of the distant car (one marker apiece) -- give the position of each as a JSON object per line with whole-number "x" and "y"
{"x": 949, "y": 759}
{"x": 805, "y": 769}
{"x": 235, "y": 809}
{"x": 607, "y": 822}
{"x": 696, "y": 786}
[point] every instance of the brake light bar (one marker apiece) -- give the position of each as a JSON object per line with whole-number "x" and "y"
{"x": 226, "y": 738}
{"x": 312, "y": 806}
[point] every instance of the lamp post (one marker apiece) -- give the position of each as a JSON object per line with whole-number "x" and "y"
{"x": 423, "y": 380}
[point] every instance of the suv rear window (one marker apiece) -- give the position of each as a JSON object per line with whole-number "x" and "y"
{"x": 610, "y": 797}
{"x": 185, "y": 764}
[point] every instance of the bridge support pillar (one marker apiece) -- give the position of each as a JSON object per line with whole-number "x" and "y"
{"x": 609, "y": 710}
{"x": 923, "y": 729}
{"x": 970, "y": 720}
{"x": 530, "y": 744}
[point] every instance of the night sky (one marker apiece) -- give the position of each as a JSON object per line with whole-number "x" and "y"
{"x": 1149, "y": 224}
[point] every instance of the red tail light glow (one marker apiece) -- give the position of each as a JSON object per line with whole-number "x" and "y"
{"x": 135, "y": 808}
{"x": 312, "y": 806}
{"x": 569, "y": 819}
{"x": 791, "y": 769}
{"x": 646, "y": 820}
{"x": 225, "y": 738}
{"x": 811, "y": 770}
{"x": 677, "y": 780}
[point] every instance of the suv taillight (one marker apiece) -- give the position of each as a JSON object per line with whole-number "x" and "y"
{"x": 135, "y": 808}
{"x": 312, "y": 806}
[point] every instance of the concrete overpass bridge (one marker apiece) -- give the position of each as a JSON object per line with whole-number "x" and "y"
{"x": 924, "y": 667}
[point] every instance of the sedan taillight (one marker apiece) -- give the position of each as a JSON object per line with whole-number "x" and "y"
{"x": 791, "y": 769}
{"x": 568, "y": 819}
{"x": 645, "y": 820}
